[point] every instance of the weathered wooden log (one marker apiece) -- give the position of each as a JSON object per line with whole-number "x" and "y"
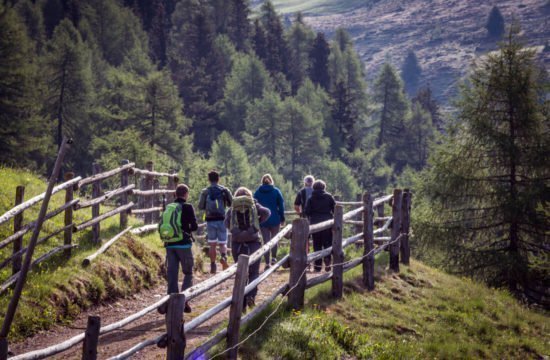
{"x": 349, "y": 203}
{"x": 144, "y": 229}
{"x": 146, "y": 211}
{"x": 138, "y": 347}
{"x": 100, "y": 218}
{"x": 237, "y": 301}
{"x": 26, "y": 228}
{"x": 337, "y": 253}
{"x": 153, "y": 192}
{"x": 321, "y": 226}
{"x": 124, "y": 196}
{"x": 91, "y": 338}
{"x": 104, "y": 247}
{"x": 298, "y": 263}
{"x": 318, "y": 279}
{"x": 12, "y": 279}
{"x": 27, "y": 204}
{"x": 68, "y": 218}
{"x": 38, "y": 242}
{"x": 102, "y": 198}
{"x": 405, "y": 224}
{"x": 395, "y": 229}
{"x": 174, "y": 327}
{"x": 368, "y": 242}
{"x": 139, "y": 172}
{"x": 104, "y": 175}
{"x": 325, "y": 252}
{"x": 266, "y": 247}
{"x": 17, "y": 224}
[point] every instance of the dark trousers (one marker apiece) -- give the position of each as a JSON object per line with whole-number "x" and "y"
{"x": 175, "y": 257}
{"x": 267, "y": 234}
{"x": 322, "y": 240}
{"x": 254, "y": 269}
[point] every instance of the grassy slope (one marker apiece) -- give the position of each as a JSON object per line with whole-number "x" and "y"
{"x": 317, "y": 7}
{"x": 60, "y": 288}
{"x": 419, "y": 313}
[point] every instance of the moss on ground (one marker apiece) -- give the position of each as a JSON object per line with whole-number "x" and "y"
{"x": 419, "y": 313}
{"x": 60, "y": 288}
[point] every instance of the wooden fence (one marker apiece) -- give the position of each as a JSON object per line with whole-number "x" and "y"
{"x": 297, "y": 259}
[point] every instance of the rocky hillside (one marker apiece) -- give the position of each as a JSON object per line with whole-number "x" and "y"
{"x": 447, "y": 35}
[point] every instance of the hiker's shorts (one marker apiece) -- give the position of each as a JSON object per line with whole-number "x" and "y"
{"x": 216, "y": 232}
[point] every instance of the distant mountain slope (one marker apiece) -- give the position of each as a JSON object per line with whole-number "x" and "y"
{"x": 447, "y": 35}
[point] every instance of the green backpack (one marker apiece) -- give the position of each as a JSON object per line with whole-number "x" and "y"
{"x": 170, "y": 224}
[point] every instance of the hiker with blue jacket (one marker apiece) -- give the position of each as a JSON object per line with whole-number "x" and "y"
{"x": 214, "y": 200}
{"x": 270, "y": 197}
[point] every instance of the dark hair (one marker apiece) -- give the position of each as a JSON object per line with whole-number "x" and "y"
{"x": 319, "y": 185}
{"x": 181, "y": 190}
{"x": 213, "y": 176}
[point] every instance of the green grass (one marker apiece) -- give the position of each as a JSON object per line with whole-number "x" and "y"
{"x": 318, "y": 7}
{"x": 420, "y": 313}
{"x": 60, "y": 288}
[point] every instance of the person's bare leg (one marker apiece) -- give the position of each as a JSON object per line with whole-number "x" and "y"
{"x": 223, "y": 251}
{"x": 212, "y": 254}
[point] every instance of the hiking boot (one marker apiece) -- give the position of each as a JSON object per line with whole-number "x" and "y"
{"x": 187, "y": 308}
{"x": 273, "y": 261}
{"x": 267, "y": 266}
{"x": 212, "y": 268}
{"x": 163, "y": 342}
{"x": 163, "y": 308}
{"x": 224, "y": 263}
{"x": 328, "y": 268}
{"x": 250, "y": 302}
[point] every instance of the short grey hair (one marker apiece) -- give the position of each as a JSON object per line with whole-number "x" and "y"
{"x": 309, "y": 179}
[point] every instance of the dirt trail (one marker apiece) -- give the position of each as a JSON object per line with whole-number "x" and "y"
{"x": 149, "y": 326}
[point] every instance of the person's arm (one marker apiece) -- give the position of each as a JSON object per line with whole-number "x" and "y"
{"x": 332, "y": 204}
{"x": 191, "y": 218}
{"x": 228, "y": 197}
{"x": 263, "y": 213}
{"x": 298, "y": 203}
{"x": 227, "y": 220}
{"x": 281, "y": 206}
{"x": 202, "y": 200}
{"x": 307, "y": 209}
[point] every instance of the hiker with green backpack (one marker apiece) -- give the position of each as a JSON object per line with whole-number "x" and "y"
{"x": 214, "y": 200}
{"x": 243, "y": 221}
{"x": 177, "y": 222}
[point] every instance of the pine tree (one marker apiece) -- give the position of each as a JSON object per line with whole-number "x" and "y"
{"x": 411, "y": 72}
{"x": 495, "y": 23}
{"x": 247, "y": 81}
{"x": 31, "y": 13}
{"x": 230, "y": 159}
{"x": 425, "y": 99}
{"x": 53, "y": 14}
{"x": 276, "y": 46}
{"x": 300, "y": 39}
{"x": 22, "y": 132}
{"x": 388, "y": 93}
{"x": 339, "y": 178}
{"x": 69, "y": 88}
{"x": 420, "y": 135}
{"x": 319, "y": 55}
{"x": 259, "y": 41}
{"x": 264, "y": 128}
{"x": 485, "y": 195}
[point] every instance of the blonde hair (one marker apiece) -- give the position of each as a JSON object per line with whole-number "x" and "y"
{"x": 242, "y": 191}
{"x": 267, "y": 179}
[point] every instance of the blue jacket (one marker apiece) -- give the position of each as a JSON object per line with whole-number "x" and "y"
{"x": 270, "y": 197}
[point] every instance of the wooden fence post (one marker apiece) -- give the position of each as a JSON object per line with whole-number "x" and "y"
{"x": 96, "y": 192}
{"x": 68, "y": 235}
{"x": 241, "y": 279}
{"x": 156, "y": 201}
{"x": 395, "y": 229}
{"x": 368, "y": 242}
{"x": 91, "y": 338}
{"x": 174, "y": 327}
{"x": 149, "y": 200}
{"x": 124, "y": 196}
{"x": 337, "y": 253}
{"x": 298, "y": 263}
{"x": 380, "y": 208}
{"x": 405, "y": 224}
{"x": 359, "y": 228}
{"x": 17, "y": 224}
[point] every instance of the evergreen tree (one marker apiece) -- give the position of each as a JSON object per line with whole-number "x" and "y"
{"x": 340, "y": 180}
{"x": 300, "y": 39}
{"x": 231, "y": 18}
{"x": 388, "y": 93}
{"x": 259, "y": 41}
{"x": 425, "y": 99}
{"x": 230, "y": 159}
{"x": 264, "y": 128}
{"x": 495, "y": 23}
{"x": 484, "y": 197}
{"x": 276, "y": 46}
{"x": 371, "y": 167}
{"x": 22, "y": 133}
{"x": 302, "y": 133}
{"x": 247, "y": 81}
{"x": 31, "y": 13}
{"x": 420, "y": 135}
{"x": 411, "y": 72}
{"x": 316, "y": 99}
{"x": 69, "y": 88}
{"x": 265, "y": 166}
{"x": 319, "y": 55}
{"x": 53, "y": 14}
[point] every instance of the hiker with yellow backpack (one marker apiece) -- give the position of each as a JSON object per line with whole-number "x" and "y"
{"x": 177, "y": 222}
{"x": 243, "y": 221}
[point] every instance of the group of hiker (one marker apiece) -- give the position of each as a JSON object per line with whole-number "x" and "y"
{"x": 248, "y": 217}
